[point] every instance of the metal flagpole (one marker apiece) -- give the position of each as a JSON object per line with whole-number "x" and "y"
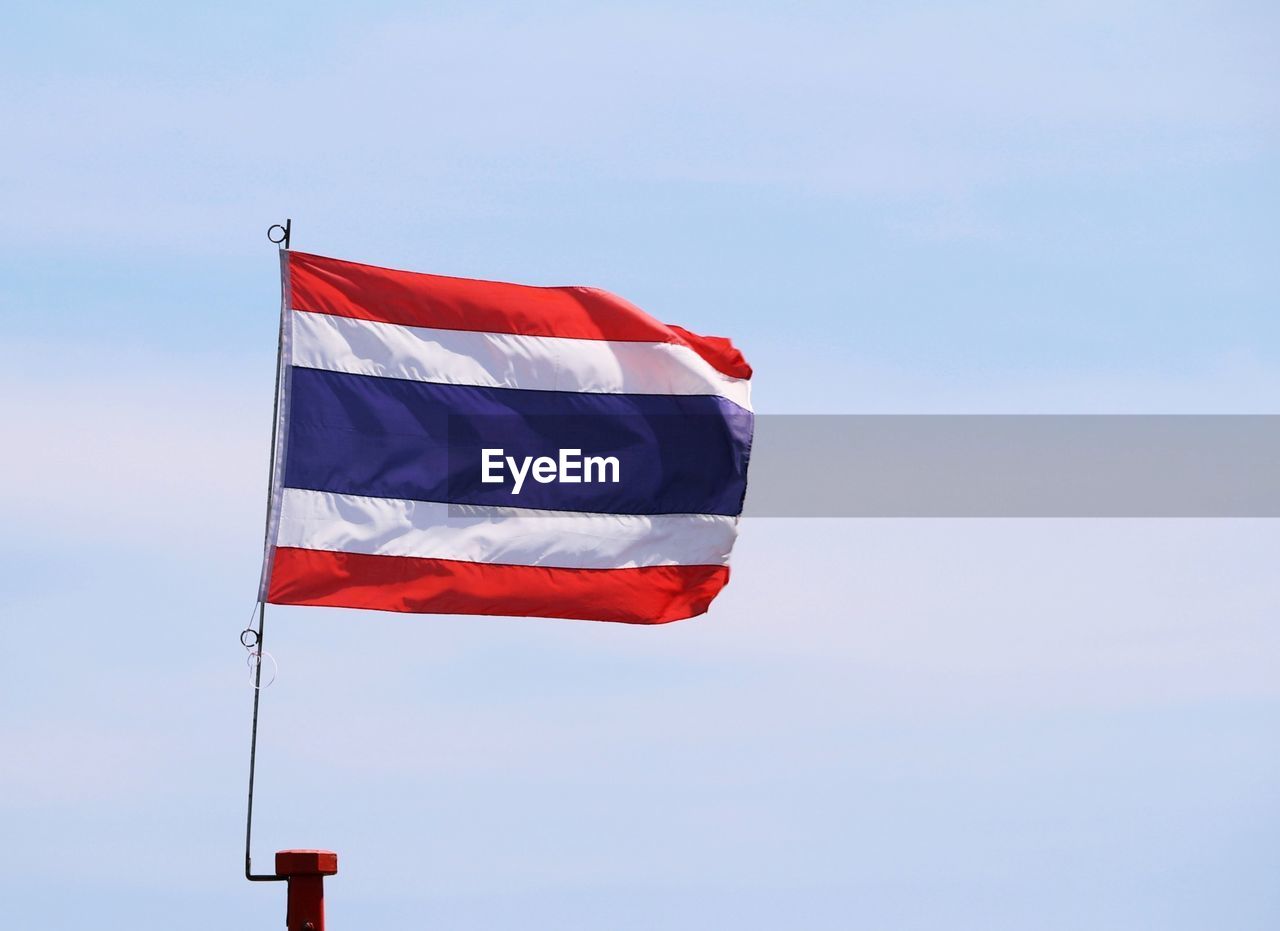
{"x": 253, "y": 750}
{"x": 250, "y": 637}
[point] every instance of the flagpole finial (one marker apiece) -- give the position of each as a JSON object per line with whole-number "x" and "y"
{"x": 283, "y": 239}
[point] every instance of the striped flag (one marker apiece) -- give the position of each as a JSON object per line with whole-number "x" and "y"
{"x": 453, "y": 446}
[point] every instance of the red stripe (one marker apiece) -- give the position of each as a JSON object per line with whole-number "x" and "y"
{"x": 648, "y": 595}
{"x": 366, "y": 292}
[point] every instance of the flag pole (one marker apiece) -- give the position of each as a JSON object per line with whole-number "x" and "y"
{"x": 252, "y": 638}
{"x": 253, "y": 749}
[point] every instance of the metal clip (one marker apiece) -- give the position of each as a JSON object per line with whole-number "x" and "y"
{"x": 284, "y": 233}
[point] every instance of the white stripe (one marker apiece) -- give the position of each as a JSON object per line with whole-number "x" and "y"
{"x": 506, "y": 360}
{"x": 321, "y": 520}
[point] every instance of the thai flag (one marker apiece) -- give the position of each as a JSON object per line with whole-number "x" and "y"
{"x": 454, "y": 446}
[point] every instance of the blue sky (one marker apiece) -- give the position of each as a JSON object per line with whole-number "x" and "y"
{"x": 944, "y": 208}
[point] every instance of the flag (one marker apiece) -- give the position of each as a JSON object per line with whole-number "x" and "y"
{"x": 455, "y": 446}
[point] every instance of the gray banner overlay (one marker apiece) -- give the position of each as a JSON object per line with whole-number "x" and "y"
{"x": 1015, "y": 466}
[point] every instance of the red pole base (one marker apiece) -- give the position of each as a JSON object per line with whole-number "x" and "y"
{"x": 306, "y": 870}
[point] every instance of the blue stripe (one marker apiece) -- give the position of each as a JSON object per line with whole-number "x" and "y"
{"x": 391, "y": 438}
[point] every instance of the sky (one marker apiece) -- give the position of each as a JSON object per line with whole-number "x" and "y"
{"x": 891, "y": 208}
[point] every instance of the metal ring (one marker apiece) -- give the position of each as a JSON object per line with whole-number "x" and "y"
{"x": 249, "y": 644}
{"x": 284, "y": 233}
{"x": 254, "y": 660}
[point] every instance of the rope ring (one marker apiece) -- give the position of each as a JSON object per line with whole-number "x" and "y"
{"x": 254, "y": 660}
{"x": 249, "y": 638}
